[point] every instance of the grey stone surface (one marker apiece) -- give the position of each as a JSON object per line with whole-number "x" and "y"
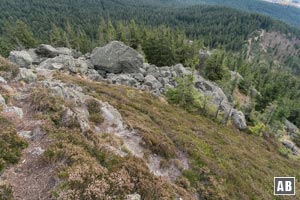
{"x": 2, "y": 101}
{"x": 290, "y": 127}
{"x": 46, "y": 50}
{"x": 116, "y": 58}
{"x": 25, "y": 134}
{"x": 14, "y": 110}
{"x": 27, "y": 75}
{"x": 239, "y": 120}
{"x": 2, "y": 80}
{"x": 21, "y": 58}
{"x": 152, "y": 82}
{"x": 133, "y": 197}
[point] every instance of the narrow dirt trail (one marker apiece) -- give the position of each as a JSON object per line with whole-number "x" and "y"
{"x": 31, "y": 178}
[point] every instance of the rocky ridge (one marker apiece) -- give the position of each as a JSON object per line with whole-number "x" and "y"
{"x": 147, "y": 135}
{"x": 117, "y": 63}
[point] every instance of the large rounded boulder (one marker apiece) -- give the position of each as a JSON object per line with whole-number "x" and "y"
{"x": 117, "y": 58}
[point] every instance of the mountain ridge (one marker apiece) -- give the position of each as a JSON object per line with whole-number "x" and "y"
{"x": 83, "y": 134}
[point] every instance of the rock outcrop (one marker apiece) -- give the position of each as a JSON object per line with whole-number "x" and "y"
{"x": 46, "y": 51}
{"x": 117, "y": 63}
{"x": 21, "y": 58}
{"x": 27, "y": 75}
{"x": 239, "y": 120}
{"x": 290, "y": 127}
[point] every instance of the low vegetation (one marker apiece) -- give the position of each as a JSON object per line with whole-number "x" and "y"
{"x": 224, "y": 163}
{"x": 6, "y": 191}
{"x": 95, "y": 113}
{"x": 8, "y": 70}
{"x": 43, "y": 101}
{"x": 91, "y": 172}
{"x": 10, "y": 144}
{"x": 185, "y": 95}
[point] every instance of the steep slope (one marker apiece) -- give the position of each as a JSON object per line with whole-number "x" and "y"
{"x": 93, "y": 140}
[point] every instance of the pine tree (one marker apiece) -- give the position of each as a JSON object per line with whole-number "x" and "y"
{"x": 20, "y": 35}
{"x": 101, "y": 32}
{"x": 121, "y": 32}
{"x": 57, "y": 36}
{"x": 134, "y": 38}
{"x": 110, "y": 34}
{"x": 71, "y": 36}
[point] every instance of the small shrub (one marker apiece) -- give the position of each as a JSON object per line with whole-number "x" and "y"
{"x": 95, "y": 112}
{"x": 214, "y": 68}
{"x": 6, "y": 192}
{"x": 11, "y": 144}
{"x": 43, "y": 100}
{"x": 257, "y": 129}
{"x": 183, "y": 182}
{"x": 284, "y": 152}
{"x": 185, "y": 94}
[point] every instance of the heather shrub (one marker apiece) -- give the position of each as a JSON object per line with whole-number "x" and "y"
{"x": 11, "y": 144}
{"x": 95, "y": 113}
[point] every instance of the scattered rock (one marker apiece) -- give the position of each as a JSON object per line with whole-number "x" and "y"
{"x": 35, "y": 58}
{"x": 121, "y": 79}
{"x": 2, "y": 101}
{"x": 66, "y": 62}
{"x": 37, "y": 151}
{"x": 291, "y": 146}
{"x": 2, "y": 80}
{"x": 21, "y": 58}
{"x": 288, "y": 144}
{"x": 152, "y": 82}
{"x": 25, "y": 134}
{"x": 69, "y": 119}
{"x": 290, "y": 127}
{"x": 46, "y": 51}
{"x": 27, "y": 75}
{"x": 180, "y": 70}
{"x": 81, "y": 66}
{"x": 69, "y": 52}
{"x": 239, "y": 120}
{"x": 139, "y": 77}
{"x": 214, "y": 92}
{"x": 8, "y": 89}
{"x": 59, "y": 62}
{"x": 14, "y": 111}
{"x": 94, "y": 75}
{"x": 133, "y": 197}
{"x": 116, "y": 58}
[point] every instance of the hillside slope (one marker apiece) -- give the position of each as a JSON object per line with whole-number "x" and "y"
{"x": 82, "y": 18}
{"x": 289, "y": 15}
{"x": 84, "y": 138}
